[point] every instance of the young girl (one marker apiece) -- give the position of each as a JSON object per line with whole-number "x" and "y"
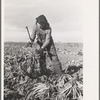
{"x": 42, "y": 31}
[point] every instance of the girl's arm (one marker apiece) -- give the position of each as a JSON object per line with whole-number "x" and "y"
{"x": 48, "y": 37}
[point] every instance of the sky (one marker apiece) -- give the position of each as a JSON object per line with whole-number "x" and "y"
{"x": 64, "y": 16}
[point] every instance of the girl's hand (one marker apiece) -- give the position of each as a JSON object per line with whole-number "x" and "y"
{"x": 29, "y": 43}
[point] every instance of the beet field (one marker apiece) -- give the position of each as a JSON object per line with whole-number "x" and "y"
{"x": 22, "y": 80}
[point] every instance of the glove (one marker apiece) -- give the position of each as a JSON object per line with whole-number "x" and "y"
{"x": 40, "y": 51}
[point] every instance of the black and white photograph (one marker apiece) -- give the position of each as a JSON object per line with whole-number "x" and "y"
{"x": 43, "y": 50}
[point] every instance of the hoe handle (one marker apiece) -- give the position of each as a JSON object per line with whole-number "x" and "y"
{"x": 28, "y": 33}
